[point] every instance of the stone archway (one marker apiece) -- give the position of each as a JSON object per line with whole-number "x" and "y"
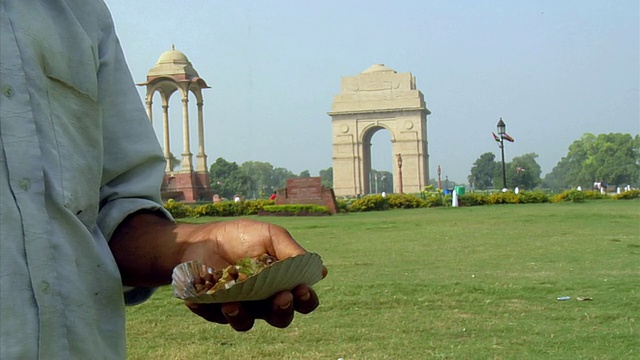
{"x": 379, "y": 98}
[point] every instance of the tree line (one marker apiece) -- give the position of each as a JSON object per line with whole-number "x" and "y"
{"x": 610, "y": 158}
{"x": 613, "y": 158}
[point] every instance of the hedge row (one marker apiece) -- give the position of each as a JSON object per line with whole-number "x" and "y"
{"x": 435, "y": 199}
{"x": 296, "y": 209}
{"x": 377, "y": 202}
{"x": 224, "y": 208}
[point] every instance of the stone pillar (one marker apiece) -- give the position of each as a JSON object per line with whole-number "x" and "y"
{"x": 201, "y": 158}
{"x": 186, "y": 150}
{"x": 149, "y": 112}
{"x": 165, "y": 136}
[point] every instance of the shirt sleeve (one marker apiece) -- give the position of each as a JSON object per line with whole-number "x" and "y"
{"x": 134, "y": 165}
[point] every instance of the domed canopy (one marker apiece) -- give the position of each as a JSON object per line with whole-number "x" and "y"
{"x": 173, "y": 63}
{"x": 378, "y": 68}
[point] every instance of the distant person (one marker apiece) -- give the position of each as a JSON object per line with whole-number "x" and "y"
{"x": 273, "y": 196}
{"x": 82, "y": 227}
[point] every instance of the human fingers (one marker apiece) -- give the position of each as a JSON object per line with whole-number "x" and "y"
{"x": 250, "y": 238}
{"x": 283, "y": 244}
{"x": 277, "y": 311}
{"x": 237, "y": 316}
{"x": 281, "y": 311}
{"x": 305, "y": 299}
{"x": 209, "y": 312}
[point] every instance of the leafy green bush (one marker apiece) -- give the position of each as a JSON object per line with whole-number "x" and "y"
{"x": 405, "y": 201}
{"x": 594, "y": 195}
{"x": 297, "y": 209}
{"x": 252, "y": 207}
{"x": 203, "y": 210}
{"x": 575, "y": 196}
{"x": 534, "y": 197}
{"x": 504, "y": 198}
{"x": 435, "y": 199}
{"x": 628, "y": 195}
{"x": 224, "y": 208}
{"x": 370, "y": 203}
{"x": 343, "y": 205}
{"x": 178, "y": 210}
{"x": 472, "y": 199}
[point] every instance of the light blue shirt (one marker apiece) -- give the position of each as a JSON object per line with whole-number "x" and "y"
{"x": 77, "y": 155}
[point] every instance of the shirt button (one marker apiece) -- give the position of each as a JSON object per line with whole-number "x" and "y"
{"x": 25, "y": 184}
{"x": 7, "y": 91}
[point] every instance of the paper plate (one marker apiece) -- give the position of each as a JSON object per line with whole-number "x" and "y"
{"x": 282, "y": 275}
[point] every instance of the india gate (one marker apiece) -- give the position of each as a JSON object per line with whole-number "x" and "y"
{"x": 379, "y": 98}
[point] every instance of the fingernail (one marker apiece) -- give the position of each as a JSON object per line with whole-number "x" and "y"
{"x": 306, "y": 296}
{"x": 233, "y": 313}
{"x": 285, "y": 306}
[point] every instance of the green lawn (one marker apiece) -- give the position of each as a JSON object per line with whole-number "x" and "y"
{"x": 441, "y": 283}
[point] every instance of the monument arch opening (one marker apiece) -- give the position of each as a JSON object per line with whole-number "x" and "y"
{"x": 378, "y": 159}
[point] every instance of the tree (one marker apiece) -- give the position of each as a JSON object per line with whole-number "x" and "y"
{"x": 265, "y": 178}
{"x": 380, "y": 181}
{"x": 305, "y": 174}
{"x": 261, "y": 174}
{"x": 227, "y": 179}
{"x": 613, "y": 158}
{"x": 326, "y": 177}
{"x": 523, "y": 172}
{"x": 484, "y": 171}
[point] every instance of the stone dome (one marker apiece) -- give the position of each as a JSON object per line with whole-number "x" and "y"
{"x": 173, "y": 63}
{"x": 173, "y": 56}
{"x": 378, "y": 68}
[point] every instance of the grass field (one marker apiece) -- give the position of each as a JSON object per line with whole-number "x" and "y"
{"x": 441, "y": 283}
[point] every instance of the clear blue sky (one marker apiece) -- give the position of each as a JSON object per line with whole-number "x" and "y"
{"x": 552, "y": 70}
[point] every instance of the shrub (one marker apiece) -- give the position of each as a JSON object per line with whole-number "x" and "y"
{"x": 628, "y": 195}
{"x": 575, "y": 196}
{"x": 472, "y": 199}
{"x": 178, "y": 210}
{"x": 297, "y": 209}
{"x": 534, "y": 197}
{"x": 203, "y": 210}
{"x": 435, "y": 199}
{"x": 405, "y": 201}
{"x": 369, "y": 203}
{"x": 504, "y": 198}
{"x": 343, "y": 205}
{"x": 252, "y": 207}
{"x": 594, "y": 195}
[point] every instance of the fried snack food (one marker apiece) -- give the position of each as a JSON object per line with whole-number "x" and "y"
{"x": 211, "y": 281}
{"x": 246, "y": 280}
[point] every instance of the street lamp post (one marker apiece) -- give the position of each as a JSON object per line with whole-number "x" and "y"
{"x": 400, "y": 172}
{"x": 502, "y": 129}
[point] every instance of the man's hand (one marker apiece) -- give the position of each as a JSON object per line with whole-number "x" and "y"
{"x": 223, "y": 244}
{"x": 277, "y": 311}
{"x": 147, "y": 247}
